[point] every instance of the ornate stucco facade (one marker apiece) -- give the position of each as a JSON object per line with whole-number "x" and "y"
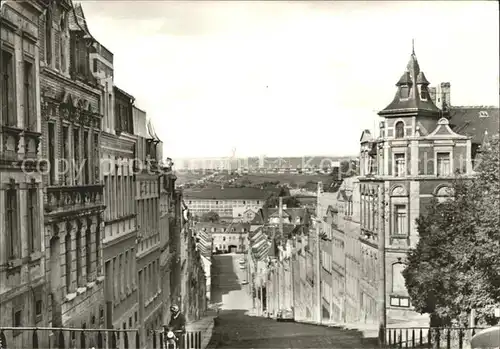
{"x": 22, "y": 242}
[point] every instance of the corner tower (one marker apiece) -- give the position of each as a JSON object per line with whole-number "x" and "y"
{"x": 414, "y": 159}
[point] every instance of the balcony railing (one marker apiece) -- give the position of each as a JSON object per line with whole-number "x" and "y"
{"x": 84, "y": 338}
{"x": 72, "y": 198}
{"x": 430, "y": 337}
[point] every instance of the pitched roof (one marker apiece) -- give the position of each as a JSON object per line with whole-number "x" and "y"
{"x": 259, "y": 243}
{"x": 223, "y": 227}
{"x": 411, "y": 79}
{"x": 244, "y": 193}
{"x": 77, "y": 21}
{"x": 257, "y": 219}
{"x": 474, "y": 121}
{"x": 204, "y": 243}
{"x": 292, "y": 212}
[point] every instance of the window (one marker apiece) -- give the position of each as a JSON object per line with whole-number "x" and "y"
{"x": 13, "y": 241}
{"x": 62, "y": 43}
{"x": 97, "y": 246}
{"x": 17, "y": 320}
{"x": 443, "y": 167}
{"x": 65, "y": 154}
{"x": 8, "y": 89}
{"x": 33, "y": 221}
{"x": 126, "y": 274}
{"x": 76, "y": 154}
{"x": 400, "y": 220}
{"x": 38, "y": 310}
{"x": 399, "y": 129}
{"x": 405, "y": 92}
{"x": 81, "y": 63}
{"x": 424, "y": 94}
{"x": 29, "y": 97}
{"x": 78, "y": 256}
{"x": 52, "y": 154}
{"x": 67, "y": 262}
{"x": 120, "y": 275}
{"x": 398, "y": 280}
{"x": 397, "y": 301}
{"x": 400, "y": 165}
{"x": 87, "y": 164}
{"x": 48, "y": 37}
{"x": 88, "y": 253}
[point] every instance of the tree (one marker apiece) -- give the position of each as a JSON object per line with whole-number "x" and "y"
{"x": 289, "y": 201}
{"x": 455, "y": 267}
{"x": 211, "y": 216}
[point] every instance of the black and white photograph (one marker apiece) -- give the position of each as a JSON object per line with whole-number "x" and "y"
{"x": 238, "y": 174}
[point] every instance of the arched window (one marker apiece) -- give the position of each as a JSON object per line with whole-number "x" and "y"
{"x": 400, "y": 129}
{"x": 398, "y": 280}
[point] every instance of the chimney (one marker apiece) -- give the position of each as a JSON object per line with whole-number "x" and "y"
{"x": 443, "y": 95}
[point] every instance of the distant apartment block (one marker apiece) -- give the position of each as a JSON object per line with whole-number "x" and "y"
{"x": 223, "y": 200}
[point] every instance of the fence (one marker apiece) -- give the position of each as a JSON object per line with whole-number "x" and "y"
{"x": 430, "y": 337}
{"x": 85, "y": 338}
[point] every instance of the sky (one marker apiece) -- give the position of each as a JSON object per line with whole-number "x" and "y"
{"x": 288, "y": 78}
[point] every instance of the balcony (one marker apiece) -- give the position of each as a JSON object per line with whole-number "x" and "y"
{"x": 13, "y": 140}
{"x": 65, "y": 199}
{"x": 84, "y": 338}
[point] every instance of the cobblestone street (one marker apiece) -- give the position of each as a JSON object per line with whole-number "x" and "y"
{"x": 234, "y": 329}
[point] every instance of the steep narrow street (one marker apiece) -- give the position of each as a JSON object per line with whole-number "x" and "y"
{"x": 234, "y": 329}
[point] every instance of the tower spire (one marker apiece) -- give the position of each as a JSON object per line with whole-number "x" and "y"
{"x": 412, "y": 46}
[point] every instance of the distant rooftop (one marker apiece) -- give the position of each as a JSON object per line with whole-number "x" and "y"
{"x": 227, "y": 194}
{"x": 474, "y": 121}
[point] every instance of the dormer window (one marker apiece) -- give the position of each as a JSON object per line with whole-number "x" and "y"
{"x": 400, "y": 129}
{"x": 424, "y": 94}
{"x": 483, "y": 114}
{"x": 405, "y": 92}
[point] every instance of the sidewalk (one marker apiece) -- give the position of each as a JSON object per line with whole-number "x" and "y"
{"x": 205, "y": 325}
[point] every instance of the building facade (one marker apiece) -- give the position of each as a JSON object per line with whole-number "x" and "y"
{"x": 167, "y": 211}
{"x": 224, "y": 200}
{"x": 120, "y": 218}
{"x": 414, "y": 159}
{"x": 22, "y": 242}
{"x": 70, "y": 100}
{"x": 147, "y": 201}
{"x": 226, "y": 237}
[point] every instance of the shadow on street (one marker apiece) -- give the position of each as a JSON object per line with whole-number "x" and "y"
{"x": 224, "y": 277}
{"x": 233, "y": 329}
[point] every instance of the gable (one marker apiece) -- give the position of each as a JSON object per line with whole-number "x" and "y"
{"x": 443, "y": 130}
{"x": 277, "y": 214}
{"x": 366, "y": 136}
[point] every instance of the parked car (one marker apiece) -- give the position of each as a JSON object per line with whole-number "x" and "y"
{"x": 285, "y": 315}
{"x": 488, "y": 338}
{"x": 244, "y": 282}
